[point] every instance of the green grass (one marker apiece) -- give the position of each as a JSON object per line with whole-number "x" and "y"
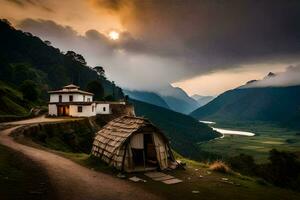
{"x": 16, "y": 178}
{"x": 268, "y": 136}
{"x": 11, "y": 101}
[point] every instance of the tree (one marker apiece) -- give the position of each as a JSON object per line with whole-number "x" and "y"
{"x": 47, "y": 42}
{"x": 77, "y": 57}
{"x": 96, "y": 88}
{"x": 110, "y": 98}
{"x": 29, "y": 90}
{"x": 100, "y": 71}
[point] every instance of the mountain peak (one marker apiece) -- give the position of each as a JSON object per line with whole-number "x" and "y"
{"x": 270, "y": 75}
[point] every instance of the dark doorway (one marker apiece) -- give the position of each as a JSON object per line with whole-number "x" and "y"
{"x": 62, "y": 110}
{"x": 138, "y": 157}
{"x": 150, "y": 152}
{"x": 145, "y": 158}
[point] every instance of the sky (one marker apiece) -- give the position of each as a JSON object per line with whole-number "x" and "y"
{"x": 203, "y": 46}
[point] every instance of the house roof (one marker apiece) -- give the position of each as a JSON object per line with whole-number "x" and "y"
{"x": 70, "y": 89}
{"x": 70, "y": 92}
{"x": 117, "y": 131}
{"x": 110, "y": 102}
{"x": 71, "y": 86}
{"x": 72, "y": 103}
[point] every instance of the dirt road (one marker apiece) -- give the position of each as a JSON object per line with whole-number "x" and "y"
{"x": 71, "y": 180}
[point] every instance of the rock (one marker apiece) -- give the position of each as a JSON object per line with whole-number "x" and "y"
{"x": 120, "y": 175}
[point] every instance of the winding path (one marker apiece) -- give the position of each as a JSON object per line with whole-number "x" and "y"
{"x": 72, "y": 181}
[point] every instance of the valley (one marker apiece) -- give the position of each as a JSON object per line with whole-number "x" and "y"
{"x": 267, "y": 137}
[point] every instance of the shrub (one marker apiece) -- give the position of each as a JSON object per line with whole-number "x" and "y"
{"x": 219, "y": 166}
{"x": 283, "y": 169}
{"x": 30, "y": 90}
{"x": 243, "y": 163}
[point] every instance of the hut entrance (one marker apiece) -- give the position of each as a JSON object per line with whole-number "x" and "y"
{"x": 143, "y": 152}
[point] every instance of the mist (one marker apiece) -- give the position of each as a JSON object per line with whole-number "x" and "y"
{"x": 290, "y": 77}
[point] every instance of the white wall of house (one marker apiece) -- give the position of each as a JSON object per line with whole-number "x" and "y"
{"x": 103, "y": 109}
{"x": 76, "y": 97}
{"x": 87, "y": 110}
{"x": 52, "y": 109}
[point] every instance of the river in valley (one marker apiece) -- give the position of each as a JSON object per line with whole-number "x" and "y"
{"x": 228, "y": 131}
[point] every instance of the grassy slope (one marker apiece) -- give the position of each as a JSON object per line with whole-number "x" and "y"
{"x": 184, "y": 131}
{"x": 16, "y": 178}
{"x": 11, "y": 101}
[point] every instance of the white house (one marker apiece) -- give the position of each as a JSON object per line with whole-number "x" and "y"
{"x": 71, "y": 101}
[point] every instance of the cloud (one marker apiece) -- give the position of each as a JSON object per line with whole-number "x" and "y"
{"x": 25, "y": 3}
{"x": 290, "y": 77}
{"x": 178, "y": 40}
{"x": 127, "y": 61}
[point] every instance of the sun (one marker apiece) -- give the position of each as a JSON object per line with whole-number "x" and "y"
{"x": 113, "y": 35}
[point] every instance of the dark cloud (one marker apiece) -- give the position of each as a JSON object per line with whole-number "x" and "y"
{"x": 177, "y": 40}
{"x": 114, "y": 5}
{"x": 37, "y": 3}
{"x": 213, "y": 34}
{"x": 127, "y": 61}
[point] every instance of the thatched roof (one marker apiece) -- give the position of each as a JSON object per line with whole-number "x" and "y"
{"x": 116, "y": 132}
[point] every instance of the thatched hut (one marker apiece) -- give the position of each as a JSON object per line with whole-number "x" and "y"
{"x": 133, "y": 144}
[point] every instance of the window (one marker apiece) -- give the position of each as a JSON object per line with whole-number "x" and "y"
{"x": 104, "y": 109}
{"x": 88, "y": 99}
{"x": 92, "y": 108}
{"x": 71, "y": 98}
{"x": 83, "y": 97}
{"x": 60, "y": 98}
{"x": 79, "y": 109}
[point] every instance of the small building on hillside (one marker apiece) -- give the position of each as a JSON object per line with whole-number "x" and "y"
{"x": 133, "y": 144}
{"x": 71, "y": 101}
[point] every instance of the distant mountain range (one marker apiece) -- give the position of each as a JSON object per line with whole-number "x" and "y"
{"x": 170, "y": 97}
{"x": 272, "y": 104}
{"x": 202, "y": 100}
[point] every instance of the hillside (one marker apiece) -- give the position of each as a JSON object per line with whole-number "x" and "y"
{"x": 148, "y": 97}
{"x": 202, "y": 100}
{"x": 272, "y": 104}
{"x": 26, "y": 57}
{"x": 183, "y": 131}
{"x": 11, "y": 101}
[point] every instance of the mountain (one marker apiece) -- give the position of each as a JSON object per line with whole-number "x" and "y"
{"x": 170, "y": 97}
{"x": 272, "y": 104}
{"x": 26, "y": 57}
{"x": 178, "y": 100}
{"x": 184, "y": 131}
{"x": 202, "y": 100}
{"x": 148, "y": 97}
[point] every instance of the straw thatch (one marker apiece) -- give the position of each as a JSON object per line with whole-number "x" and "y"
{"x": 112, "y": 143}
